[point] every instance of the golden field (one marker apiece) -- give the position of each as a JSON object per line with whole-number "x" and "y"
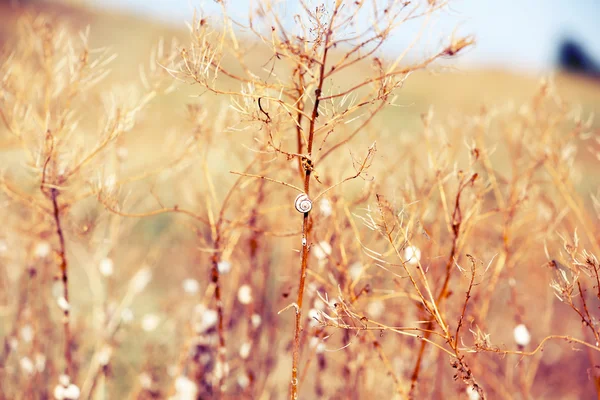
{"x": 277, "y": 212}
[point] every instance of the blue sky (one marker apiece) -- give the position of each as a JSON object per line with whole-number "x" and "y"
{"x": 511, "y": 34}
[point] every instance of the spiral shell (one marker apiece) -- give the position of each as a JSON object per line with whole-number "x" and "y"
{"x": 302, "y": 203}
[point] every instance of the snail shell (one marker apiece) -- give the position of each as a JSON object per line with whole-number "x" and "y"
{"x": 302, "y": 203}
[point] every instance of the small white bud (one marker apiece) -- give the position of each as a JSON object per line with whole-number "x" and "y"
{"x": 63, "y": 304}
{"x": 224, "y": 266}
{"x": 325, "y": 207}
{"x": 412, "y": 255}
{"x": 221, "y": 369}
{"x": 185, "y": 388}
{"x": 145, "y": 380}
{"x": 376, "y": 308}
{"x": 150, "y": 322}
{"x": 106, "y": 267}
{"x": 141, "y": 279}
{"x": 72, "y": 392}
{"x": 245, "y": 350}
{"x": 314, "y": 317}
{"x": 104, "y": 355}
{"x": 64, "y": 380}
{"x": 27, "y": 333}
{"x": 191, "y": 286}
{"x": 355, "y": 270}
{"x": 59, "y": 392}
{"x": 522, "y": 335}
{"x": 244, "y": 294}
{"x": 42, "y": 250}
{"x": 256, "y": 320}
{"x": 57, "y": 289}
{"x": 27, "y": 365}
{"x": 472, "y": 393}
{"x": 207, "y": 318}
{"x": 322, "y": 250}
{"x": 127, "y": 315}
{"x": 243, "y": 380}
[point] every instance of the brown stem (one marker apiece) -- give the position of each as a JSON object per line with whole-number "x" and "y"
{"x": 305, "y": 219}
{"x": 456, "y": 222}
{"x": 64, "y": 278}
{"x": 214, "y": 274}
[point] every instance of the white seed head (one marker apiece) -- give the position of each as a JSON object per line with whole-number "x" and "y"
{"x": 224, "y": 266}
{"x": 150, "y": 322}
{"x": 59, "y": 392}
{"x": 27, "y": 333}
{"x": 317, "y": 344}
{"x": 145, "y": 380}
{"x": 104, "y": 355}
{"x": 141, "y": 279}
{"x": 245, "y": 350}
{"x": 322, "y": 250}
{"x": 376, "y": 308}
{"x": 127, "y": 315}
{"x": 472, "y": 393}
{"x": 256, "y": 320}
{"x": 314, "y": 317}
{"x": 319, "y": 304}
{"x": 313, "y": 342}
{"x": 522, "y": 335}
{"x": 206, "y": 318}
{"x": 191, "y": 286}
{"x": 412, "y": 255}
{"x": 42, "y": 250}
{"x": 244, "y": 294}
{"x": 186, "y": 388}
{"x": 221, "y": 369}
{"x": 72, "y": 392}
{"x": 243, "y": 380}
{"x": 355, "y": 270}
{"x": 64, "y": 380}
{"x": 27, "y": 365}
{"x": 106, "y": 266}
{"x": 63, "y": 304}
{"x": 57, "y": 289}
{"x": 325, "y": 207}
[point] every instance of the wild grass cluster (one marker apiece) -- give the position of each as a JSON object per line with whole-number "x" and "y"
{"x": 282, "y": 238}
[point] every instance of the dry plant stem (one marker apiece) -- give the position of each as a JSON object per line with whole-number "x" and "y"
{"x": 220, "y": 324}
{"x": 305, "y": 218}
{"x": 456, "y": 222}
{"x": 64, "y": 278}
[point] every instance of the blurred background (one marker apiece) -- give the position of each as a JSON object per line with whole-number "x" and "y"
{"x": 532, "y": 36}
{"x": 517, "y": 43}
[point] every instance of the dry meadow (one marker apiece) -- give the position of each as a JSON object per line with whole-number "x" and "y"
{"x": 271, "y": 208}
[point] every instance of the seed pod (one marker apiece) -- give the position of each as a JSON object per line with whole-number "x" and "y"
{"x": 302, "y": 203}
